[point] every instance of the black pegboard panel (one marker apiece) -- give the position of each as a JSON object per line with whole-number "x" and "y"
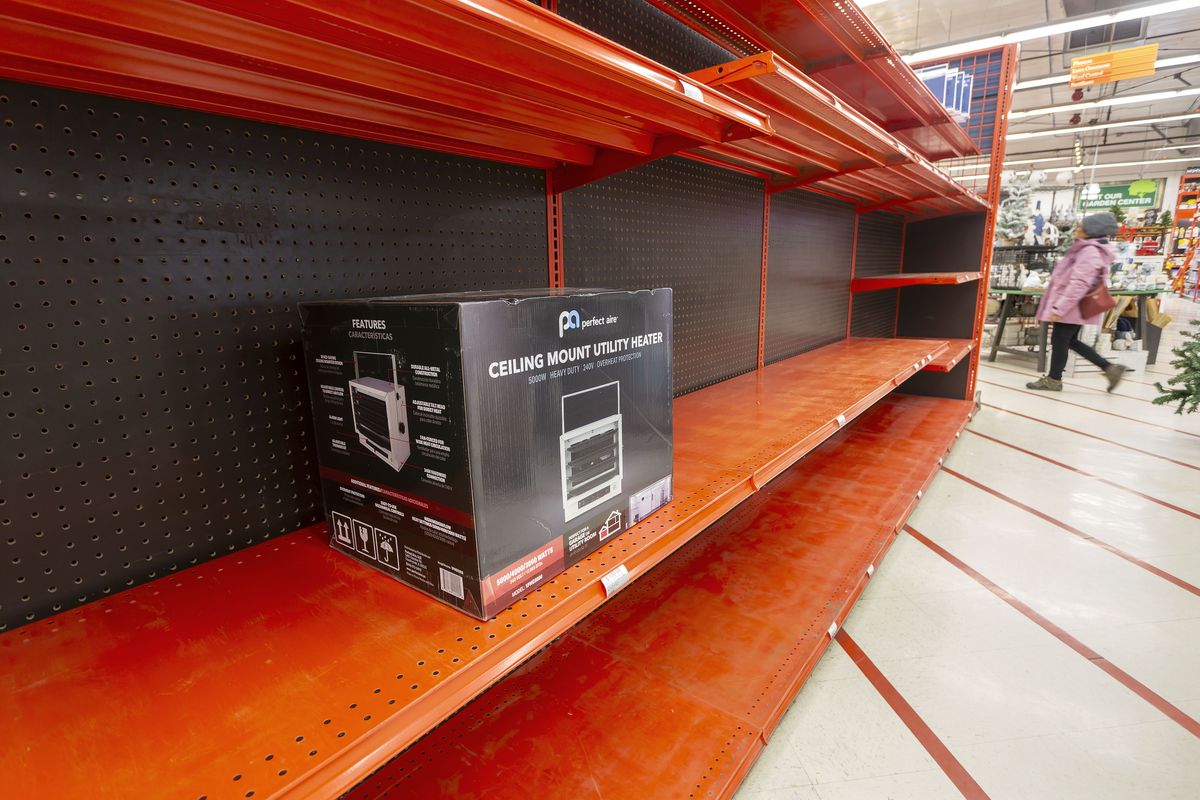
{"x": 880, "y": 238}
{"x": 153, "y": 405}
{"x": 874, "y": 314}
{"x": 808, "y": 272}
{"x": 686, "y": 225}
{"x": 644, "y": 29}
{"x": 878, "y": 252}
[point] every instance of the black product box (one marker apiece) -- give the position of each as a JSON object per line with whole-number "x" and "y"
{"x": 475, "y": 445}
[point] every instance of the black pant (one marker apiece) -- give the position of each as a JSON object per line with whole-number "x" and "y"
{"x": 1066, "y": 337}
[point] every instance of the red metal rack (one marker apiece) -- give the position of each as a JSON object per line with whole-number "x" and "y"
{"x": 288, "y": 670}
{"x": 835, "y": 43}
{"x": 876, "y": 283}
{"x": 449, "y": 75}
{"x": 822, "y": 143}
{"x": 735, "y": 622}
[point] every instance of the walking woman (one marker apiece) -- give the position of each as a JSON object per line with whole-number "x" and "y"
{"x": 1076, "y": 274}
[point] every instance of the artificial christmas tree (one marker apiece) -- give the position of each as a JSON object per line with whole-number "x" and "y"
{"x": 1184, "y": 387}
{"x": 1014, "y": 214}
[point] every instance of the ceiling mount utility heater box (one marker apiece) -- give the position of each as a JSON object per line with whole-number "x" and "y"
{"x": 475, "y": 445}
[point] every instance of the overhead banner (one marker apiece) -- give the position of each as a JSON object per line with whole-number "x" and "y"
{"x": 1134, "y": 196}
{"x": 1115, "y": 65}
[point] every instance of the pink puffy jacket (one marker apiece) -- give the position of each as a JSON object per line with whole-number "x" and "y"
{"x": 1077, "y": 273}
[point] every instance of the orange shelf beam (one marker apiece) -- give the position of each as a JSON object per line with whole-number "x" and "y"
{"x": 875, "y": 283}
{"x": 952, "y": 357}
{"x": 288, "y": 670}
{"x": 499, "y": 79}
{"x": 821, "y": 142}
{"x": 708, "y": 652}
{"x": 836, "y": 45}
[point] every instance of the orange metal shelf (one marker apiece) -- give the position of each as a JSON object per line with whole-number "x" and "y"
{"x": 954, "y": 354}
{"x": 817, "y": 138}
{"x": 836, "y": 45}
{"x": 288, "y": 670}
{"x": 875, "y": 283}
{"x": 499, "y": 79}
{"x": 672, "y": 689}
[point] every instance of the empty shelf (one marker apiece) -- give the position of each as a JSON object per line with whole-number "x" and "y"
{"x": 875, "y": 283}
{"x": 708, "y": 651}
{"x": 952, "y": 357}
{"x": 287, "y": 668}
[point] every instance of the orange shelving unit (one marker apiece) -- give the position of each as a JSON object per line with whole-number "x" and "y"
{"x": 230, "y": 652}
{"x": 289, "y": 670}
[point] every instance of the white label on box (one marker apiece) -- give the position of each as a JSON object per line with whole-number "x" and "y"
{"x": 615, "y": 580}
{"x": 841, "y": 420}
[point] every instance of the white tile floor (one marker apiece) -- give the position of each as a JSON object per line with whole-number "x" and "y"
{"x": 1026, "y": 715}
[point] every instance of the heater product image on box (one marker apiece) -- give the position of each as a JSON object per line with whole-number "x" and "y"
{"x": 377, "y": 403}
{"x": 590, "y": 448}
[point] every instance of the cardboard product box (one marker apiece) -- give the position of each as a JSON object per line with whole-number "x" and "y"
{"x": 475, "y": 445}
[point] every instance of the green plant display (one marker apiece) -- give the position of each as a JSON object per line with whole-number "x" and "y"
{"x": 1184, "y": 387}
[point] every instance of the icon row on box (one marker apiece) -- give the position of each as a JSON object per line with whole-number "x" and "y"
{"x": 372, "y": 542}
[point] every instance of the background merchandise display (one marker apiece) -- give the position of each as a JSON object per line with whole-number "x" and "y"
{"x": 475, "y": 445}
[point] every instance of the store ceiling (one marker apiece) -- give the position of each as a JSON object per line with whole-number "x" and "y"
{"x": 913, "y": 25}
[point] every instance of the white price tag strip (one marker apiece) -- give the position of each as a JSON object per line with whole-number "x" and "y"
{"x": 693, "y": 91}
{"x": 841, "y": 420}
{"x": 615, "y": 580}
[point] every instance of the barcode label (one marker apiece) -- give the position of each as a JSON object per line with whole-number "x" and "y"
{"x": 452, "y": 583}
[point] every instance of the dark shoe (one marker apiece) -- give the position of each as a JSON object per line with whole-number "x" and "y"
{"x": 1045, "y": 383}
{"x": 1114, "y": 373}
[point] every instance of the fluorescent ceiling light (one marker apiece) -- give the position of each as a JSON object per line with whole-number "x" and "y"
{"x": 1149, "y": 97}
{"x": 1129, "y": 123}
{"x": 1037, "y": 160}
{"x": 866, "y": 3}
{"x": 1053, "y": 80}
{"x": 1053, "y": 29}
{"x": 1088, "y": 167}
{"x": 979, "y": 165}
{"x": 1178, "y": 147}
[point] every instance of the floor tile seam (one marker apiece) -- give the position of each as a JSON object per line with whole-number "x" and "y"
{"x": 1074, "y": 384}
{"x": 1087, "y": 435}
{"x": 1083, "y": 535}
{"x": 1085, "y": 473}
{"x": 1125, "y": 679}
{"x": 1045, "y": 396}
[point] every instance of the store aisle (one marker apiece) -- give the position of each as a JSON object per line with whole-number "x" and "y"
{"x": 1035, "y": 631}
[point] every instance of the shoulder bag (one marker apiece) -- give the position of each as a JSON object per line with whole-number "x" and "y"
{"x": 1098, "y": 300}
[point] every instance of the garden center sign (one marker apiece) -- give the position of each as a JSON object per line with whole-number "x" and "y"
{"x": 1136, "y": 196}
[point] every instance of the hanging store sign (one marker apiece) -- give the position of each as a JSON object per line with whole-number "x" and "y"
{"x": 1115, "y": 65}
{"x": 1136, "y": 195}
